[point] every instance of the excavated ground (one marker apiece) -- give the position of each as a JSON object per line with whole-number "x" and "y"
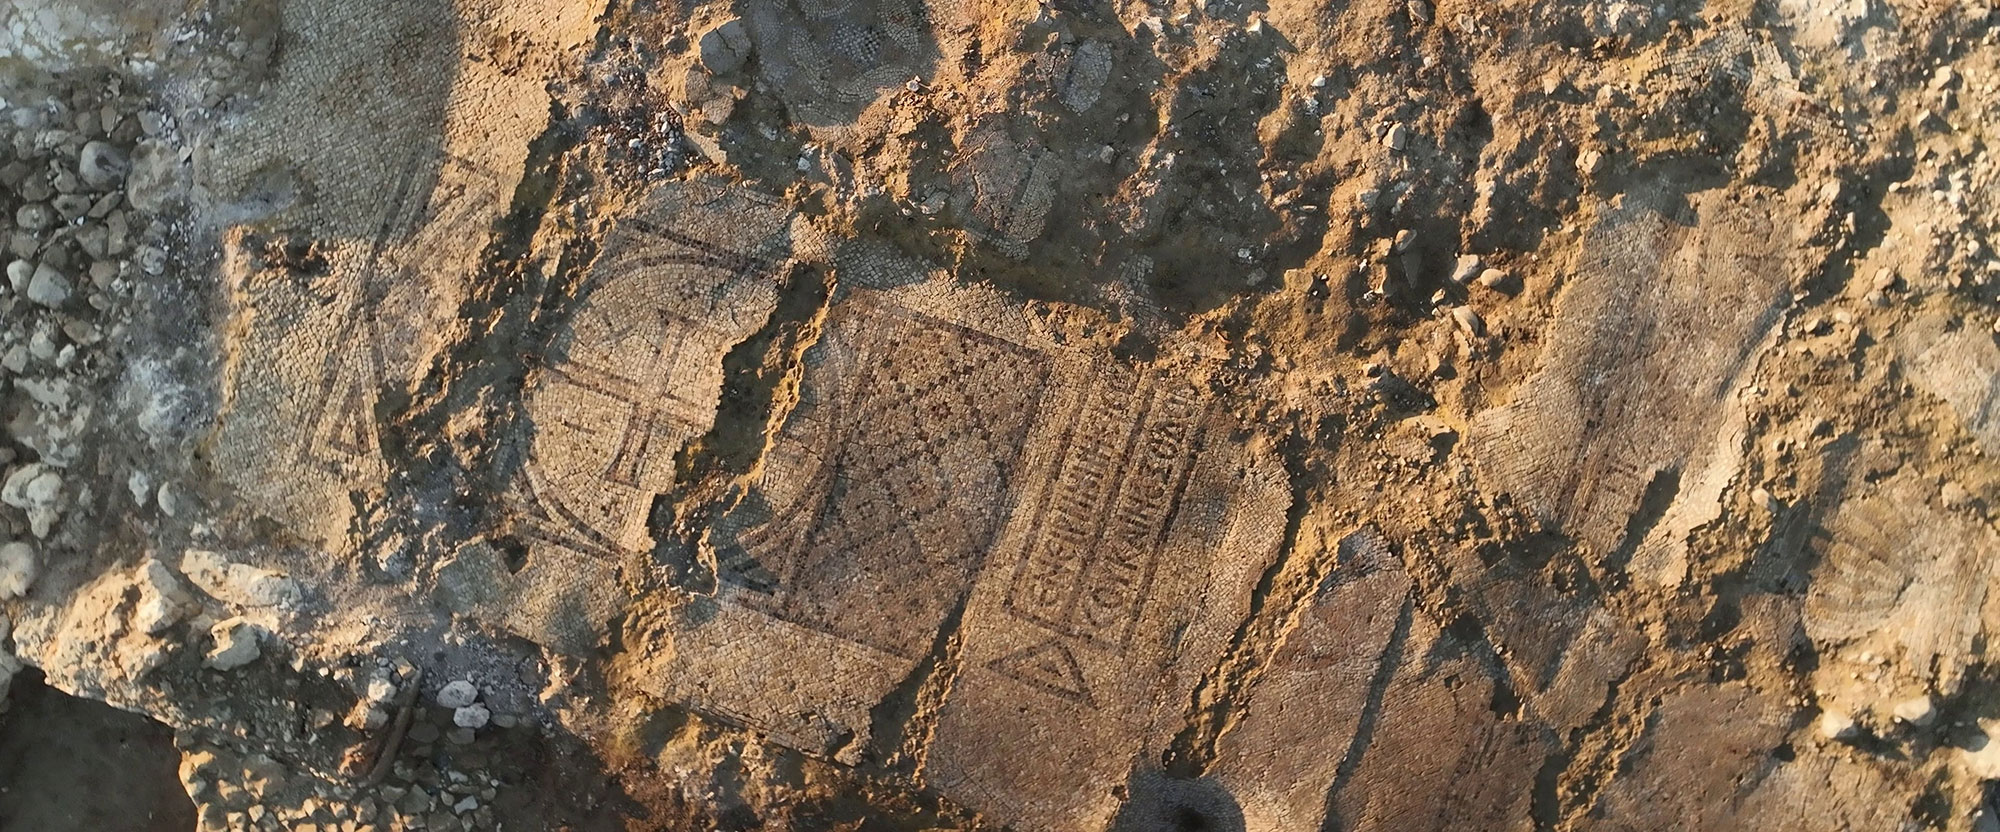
{"x": 884, "y": 414}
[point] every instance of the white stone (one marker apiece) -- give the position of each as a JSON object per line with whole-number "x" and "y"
{"x": 457, "y": 694}
{"x": 35, "y": 488}
{"x": 17, "y": 569}
{"x": 473, "y": 716}
{"x": 163, "y": 600}
{"x": 1918, "y": 711}
{"x": 169, "y": 498}
{"x": 101, "y": 166}
{"x": 1397, "y": 138}
{"x": 238, "y": 583}
{"x": 381, "y": 689}
{"x": 19, "y": 273}
{"x": 48, "y": 286}
{"x": 1590, "y": 162}
{"x": 1467, "y": 269}
{"x": 235, "y": 644}
{"x": 1835, "y": 725}
{"x": 1468, "y": 320}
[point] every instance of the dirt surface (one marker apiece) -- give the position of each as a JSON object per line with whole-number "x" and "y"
{"x": 75, "y": 764}
{"x": 881, "y": 414}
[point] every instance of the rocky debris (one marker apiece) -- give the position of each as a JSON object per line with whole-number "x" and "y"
{"x": 17, "y": 569}
{"x": 457, "y": 694}
{"x": 1467, "y": 268}
{"x": 471, "y": 717}
{"x": 726, "y": 48}
{"x": 69, "y": 239}
{"x": 1765, "y": 500}
{"x": 1837, "y": 726}
{"x": 1619, "y": 19}
{"x": 1917, "y": 711}
{"x": 236, "y": 644}
{"x": 238, "y": 583}
{"x": 163, "y": 600}
{"x": 35, "y": 488}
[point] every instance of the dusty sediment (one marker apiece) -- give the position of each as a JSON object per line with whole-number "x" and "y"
{"x": 465, "y": 415}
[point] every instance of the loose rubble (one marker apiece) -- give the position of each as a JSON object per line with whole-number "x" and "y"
{"x": 1282, "y": 416}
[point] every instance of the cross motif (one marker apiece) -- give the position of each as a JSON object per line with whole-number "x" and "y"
{"x": 647, "y": 393}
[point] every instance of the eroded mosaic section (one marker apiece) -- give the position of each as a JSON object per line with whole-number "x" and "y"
{"x": 325, "y": 326}
{"x": 352, "y": 251}
{"x": 1069, "y": 538}
{"x": 1633, "y": 409}
{"x": 633, "y": 376}
{"x": 829, "y": 59}
{"x": 889, "y": 481}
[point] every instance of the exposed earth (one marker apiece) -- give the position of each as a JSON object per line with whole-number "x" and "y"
{"x": 887, "y": 415}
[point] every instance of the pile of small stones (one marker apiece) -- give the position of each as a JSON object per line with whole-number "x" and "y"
{"x": 255, "y": 792}
{"x": 73, "y": 245}
{"x": 442, "y": 778}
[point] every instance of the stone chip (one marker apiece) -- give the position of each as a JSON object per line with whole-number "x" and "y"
{"x": 163, "y": 600}
{"x": 17, "y": 569}
{"x": 35, "y": 488}
{"x": 102, "y": 166}
{"x": 725, "y": 48}
{"x": 49, "y": 287}
{"x": 236, "y": 644}
{"x": 458, "y": 694}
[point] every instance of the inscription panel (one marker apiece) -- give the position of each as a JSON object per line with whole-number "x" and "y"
{"x": 1085, "y": 663}
{"x": 949, "y": 475}
{"x": 1104, "y": 513}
